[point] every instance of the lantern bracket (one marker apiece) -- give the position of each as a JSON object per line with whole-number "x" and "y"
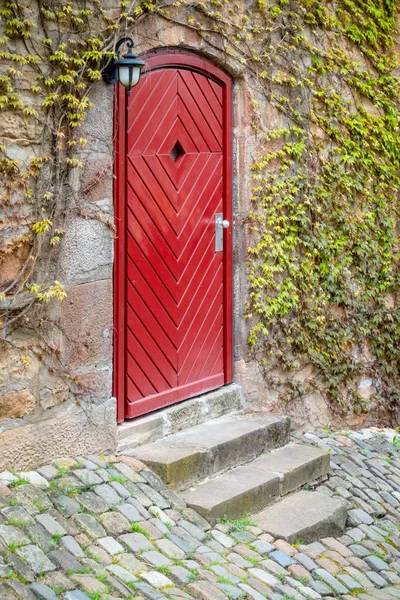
{"x": 110, "y": 72}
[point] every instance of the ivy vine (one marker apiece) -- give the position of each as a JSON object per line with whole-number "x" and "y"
{"x": 325, "y": 275}
{"x": 324, "y": 257}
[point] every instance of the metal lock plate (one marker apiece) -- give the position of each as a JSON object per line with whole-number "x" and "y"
{"x": 220, "y": 225}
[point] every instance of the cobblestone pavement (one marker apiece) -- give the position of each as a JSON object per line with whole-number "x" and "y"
{"x": 107, "y": 528}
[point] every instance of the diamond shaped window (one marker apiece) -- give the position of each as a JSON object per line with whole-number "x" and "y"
{"x": 176, "y": 151}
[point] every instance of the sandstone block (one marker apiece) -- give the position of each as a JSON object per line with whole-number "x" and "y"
{"x": 16, "y": 404}
{"x": 21, "y": 129}
{"x": 97, "y": 177}
{"x": 239, "y": 490}
{"x": 98, "y": 125}
{"x": 11, "y": 265}
{"x": 86, "y": 251}
{"x": 304, "y": 516}
{"x": 207, "y": 449}
{"x": 86, "y": 319}
{"x": 23, "y": 447}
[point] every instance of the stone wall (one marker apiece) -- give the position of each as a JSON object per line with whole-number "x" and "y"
{"x": 43, "y": 413}
{"x": 63, "y": 405}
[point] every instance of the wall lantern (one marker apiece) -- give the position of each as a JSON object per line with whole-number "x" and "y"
{"x": 125, "y": 69}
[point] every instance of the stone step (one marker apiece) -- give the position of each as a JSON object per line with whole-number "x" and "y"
{"x": 304, "y": 517}
{"x": 213, "y": 447}
{"x": 252, "y": 487}
{"x": 178, "y": 417}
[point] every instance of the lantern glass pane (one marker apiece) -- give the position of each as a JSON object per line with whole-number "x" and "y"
{"x": 128, "y": 76}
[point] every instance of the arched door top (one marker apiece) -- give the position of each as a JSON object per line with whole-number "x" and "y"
{"x": 169, "y": 58}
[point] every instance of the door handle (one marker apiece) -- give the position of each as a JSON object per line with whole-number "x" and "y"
{"x": 220, "y": 225}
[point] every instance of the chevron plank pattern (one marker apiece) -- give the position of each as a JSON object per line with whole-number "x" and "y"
{"x": 174, "y": 278}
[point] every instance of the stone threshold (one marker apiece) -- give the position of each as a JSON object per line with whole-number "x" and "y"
{"x": 179, "y": 417}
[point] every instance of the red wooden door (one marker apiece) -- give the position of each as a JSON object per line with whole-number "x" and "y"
{"x": 177, "y": 287}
